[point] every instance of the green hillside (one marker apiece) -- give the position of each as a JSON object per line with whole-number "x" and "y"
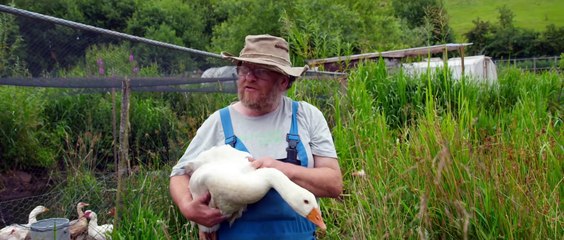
{"x": 528, "y": 14}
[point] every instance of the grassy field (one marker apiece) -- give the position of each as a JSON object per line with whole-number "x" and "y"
{"x": 528, "y": 14}
{"x": 422, "y": 158}
{"x": 440, "y": 160}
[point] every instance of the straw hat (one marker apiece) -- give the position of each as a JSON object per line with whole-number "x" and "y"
{"x": 269, "y": 51}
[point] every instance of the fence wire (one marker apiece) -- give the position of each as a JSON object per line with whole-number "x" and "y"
{"x": 40, "y": 51}
{"x": 65, "y": 54}
{"x": 52, "y": 52}
{"x": 535, "y": 64}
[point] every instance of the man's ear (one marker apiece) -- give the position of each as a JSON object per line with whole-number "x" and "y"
{"x": 285, "y": 83}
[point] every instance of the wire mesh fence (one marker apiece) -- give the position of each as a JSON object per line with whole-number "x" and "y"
{"x": 58, "y": 53}
{"x": 20, "y": 213}
{"x": 71, "y": 72}
{"x": 536, "y": 64}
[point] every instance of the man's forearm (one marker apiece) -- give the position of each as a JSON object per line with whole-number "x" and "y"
{"x": 322, "y": 182}
{"x": 180, "y": 190}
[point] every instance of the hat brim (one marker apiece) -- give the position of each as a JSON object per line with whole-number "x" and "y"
{"x": 291, "y": 71}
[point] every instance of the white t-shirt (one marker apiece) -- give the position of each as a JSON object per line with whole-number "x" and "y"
{"x": 265, "y": 136}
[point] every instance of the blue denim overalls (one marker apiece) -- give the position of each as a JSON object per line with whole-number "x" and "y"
{"x": 254, "y": 223}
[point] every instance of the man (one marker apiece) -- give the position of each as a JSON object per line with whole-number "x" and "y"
{"x": 290, "y": 136}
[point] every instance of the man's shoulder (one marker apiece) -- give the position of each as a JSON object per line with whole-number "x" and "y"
{"x": 305, "y": 109}
{"x": 301, "y": 104}
{"x": 212, "y": 120}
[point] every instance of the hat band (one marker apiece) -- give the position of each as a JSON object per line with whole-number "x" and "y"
{"x": 267, "y": 57}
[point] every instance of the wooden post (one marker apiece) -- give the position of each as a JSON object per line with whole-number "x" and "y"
{"x": 461, "y": 49}
{"x": 123, "y": 149}
{"x": 114, "y": 130}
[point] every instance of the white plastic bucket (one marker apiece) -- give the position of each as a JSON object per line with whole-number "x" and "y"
{"x": 50, "y": 229}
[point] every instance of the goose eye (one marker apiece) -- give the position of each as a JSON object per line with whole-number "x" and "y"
{"x": 306, "y": 201}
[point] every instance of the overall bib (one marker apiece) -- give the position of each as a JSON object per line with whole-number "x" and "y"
{"x": 271, "y": 217}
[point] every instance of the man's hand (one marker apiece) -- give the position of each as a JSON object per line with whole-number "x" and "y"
{"x": 323, "y": 180}
{"x": 199, "y": 212}
{"x": 265, "y": 162}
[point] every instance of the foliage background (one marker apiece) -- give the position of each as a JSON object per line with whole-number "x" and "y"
{"x": 441, "y": 158}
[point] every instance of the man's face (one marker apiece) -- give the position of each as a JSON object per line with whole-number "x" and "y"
{"x": 259, "y": 88}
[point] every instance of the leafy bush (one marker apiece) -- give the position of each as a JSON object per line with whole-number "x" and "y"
{"x": 561, "y": 63}
{"x": 85, "y": 186}
{"x": 12, "y": 51}
{"x": 154, "y": 128}
{"x": 504, "y": 40}
{"x": 25, "y": 138}
{"x": 150, "y": 214}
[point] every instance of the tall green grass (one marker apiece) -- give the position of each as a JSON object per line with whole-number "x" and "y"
{"x": 441, "y": 158}
{"x": 24, "y": 143}
{"x": 480, "y": 161}
{"x": 459, "y": 160}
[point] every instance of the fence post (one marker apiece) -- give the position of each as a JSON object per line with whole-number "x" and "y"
{"x": 123, "y": 149}
{"x": 461, "y": 49}
{"x": 114, "y": 131}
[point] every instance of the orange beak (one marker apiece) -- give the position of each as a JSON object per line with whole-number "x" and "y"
{"x": 315, "y": 217}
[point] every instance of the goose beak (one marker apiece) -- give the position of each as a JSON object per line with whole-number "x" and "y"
{"x": 315, "y": 217}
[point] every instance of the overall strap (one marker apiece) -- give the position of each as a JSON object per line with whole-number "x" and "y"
{"x": 230, "y": 137}
{"x": 295, "y": 146}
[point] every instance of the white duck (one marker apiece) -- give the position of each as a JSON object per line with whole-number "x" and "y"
{"x": 21, "y": 231}
{"x": 101, "y": 232}
{"x": 78, "y": 227}
{"x": 234, "y": 183}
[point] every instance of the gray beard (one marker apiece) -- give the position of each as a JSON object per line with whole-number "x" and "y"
{"x": 263, "y": 103}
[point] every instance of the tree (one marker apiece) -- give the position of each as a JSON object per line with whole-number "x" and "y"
{"x": 12, "y": 48}
{"x": 479, "y": 35}
{"x": 319, "y": 29}
{"x": 52, "y": 47}
{"x": 551, "y": 41}
{"x": 505, "y": 17}
{"x": 426, "y": 14}
{"x": 437, "y": 18}
{"x": 504, "y": 40}
{"x": 183, "y": 19}
{"x": 264, "y": 18}
{"x": 413, "y": 11}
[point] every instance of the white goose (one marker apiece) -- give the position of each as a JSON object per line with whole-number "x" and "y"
{"x": 21, "y": 231}
{"x": 101, "y": 232}
{"x": 234, "y": 183}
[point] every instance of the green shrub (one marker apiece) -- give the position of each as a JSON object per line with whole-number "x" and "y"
{"x": 154, "y": 128}
{"x": 561, "y": 63}
{"x": 26, "y": 142}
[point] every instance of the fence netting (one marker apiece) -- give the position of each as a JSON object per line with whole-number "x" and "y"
{"x": 50, "y": 52}
{"x": 72, "y": 59}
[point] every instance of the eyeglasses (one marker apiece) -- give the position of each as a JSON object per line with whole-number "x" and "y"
{"x": 258, "y": 72}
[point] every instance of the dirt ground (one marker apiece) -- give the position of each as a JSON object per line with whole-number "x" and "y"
{"x": 16, "y": 184}
{"x": 17, "y": 189}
